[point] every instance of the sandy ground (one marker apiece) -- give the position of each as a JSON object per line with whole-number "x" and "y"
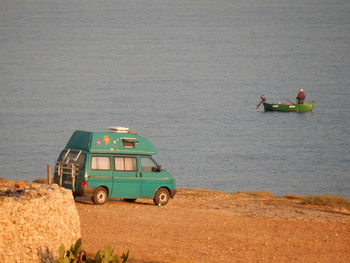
{"x": 204, "y": 226}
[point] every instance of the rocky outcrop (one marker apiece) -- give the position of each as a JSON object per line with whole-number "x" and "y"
{"x": 34, "y": 222}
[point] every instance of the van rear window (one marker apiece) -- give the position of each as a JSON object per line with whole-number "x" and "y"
{"x": 72, "y": 156}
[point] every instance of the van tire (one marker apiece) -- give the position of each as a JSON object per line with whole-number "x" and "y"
{"x": 162, "y": 197}
{"x": 100, "y": 196}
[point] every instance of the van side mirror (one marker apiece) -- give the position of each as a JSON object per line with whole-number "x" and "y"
{"x": 157, "y": 169}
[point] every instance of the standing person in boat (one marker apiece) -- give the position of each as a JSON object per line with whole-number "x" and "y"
{"x": 301, "y": 97}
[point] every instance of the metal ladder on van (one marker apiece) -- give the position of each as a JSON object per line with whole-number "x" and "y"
{"x": 65, "y": 168}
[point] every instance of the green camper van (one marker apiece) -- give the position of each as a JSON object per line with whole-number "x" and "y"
{"x": 117, "y": 163}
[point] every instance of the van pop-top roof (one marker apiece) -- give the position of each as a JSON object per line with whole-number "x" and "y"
{"x": 115, "y": 140}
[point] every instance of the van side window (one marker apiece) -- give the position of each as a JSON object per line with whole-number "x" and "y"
{"x": 100, "y": 163}
{"x": 148, "y": 165}
{"x": 125, "y": 164}
{"x": 130, "y": 143}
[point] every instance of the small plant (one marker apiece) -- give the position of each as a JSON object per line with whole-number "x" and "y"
{"x": 74, "y": 255}
{"x": 107, "y": 257}
{"x": 77, "y": 255}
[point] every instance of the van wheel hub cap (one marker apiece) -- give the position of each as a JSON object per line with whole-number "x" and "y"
{"x": 101, "y": 196}
{"x": 163, "y": 197}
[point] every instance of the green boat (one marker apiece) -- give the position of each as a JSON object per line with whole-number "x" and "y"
{"x": 285, "y": 107}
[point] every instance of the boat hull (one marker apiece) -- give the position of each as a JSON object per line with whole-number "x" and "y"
{"x": 307, "y": 107}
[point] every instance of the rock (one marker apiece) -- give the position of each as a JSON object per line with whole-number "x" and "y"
{"x": 35, "y": 222}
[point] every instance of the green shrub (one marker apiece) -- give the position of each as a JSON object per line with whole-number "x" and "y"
{"x": 77, "y": 255}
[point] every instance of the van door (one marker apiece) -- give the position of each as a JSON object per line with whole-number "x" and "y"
{"x": 100, "y": 173}
{"x": 151, "y": 177}
{"x": 126, "y": 178}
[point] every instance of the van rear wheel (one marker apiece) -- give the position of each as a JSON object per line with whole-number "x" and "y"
{"x": 162, "y": 197}
{"x": 100, "y": 196}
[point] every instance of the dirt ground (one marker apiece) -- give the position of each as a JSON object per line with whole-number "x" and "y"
{"x": 205, "y": 226}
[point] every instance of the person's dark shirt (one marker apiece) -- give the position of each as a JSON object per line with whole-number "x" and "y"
{"x": 301, "y": 95}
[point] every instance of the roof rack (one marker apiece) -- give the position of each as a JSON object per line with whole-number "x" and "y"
{"x": 119, "y": 129}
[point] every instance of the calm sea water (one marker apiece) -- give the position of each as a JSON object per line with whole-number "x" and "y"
{"x": 187, "y": 75}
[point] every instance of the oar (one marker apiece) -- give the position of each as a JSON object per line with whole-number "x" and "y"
{"x": 291, "y": 102}
{"x": 257, "y": 106}
{"x": 263, "y": 99}
{"x": 297, "y": 105}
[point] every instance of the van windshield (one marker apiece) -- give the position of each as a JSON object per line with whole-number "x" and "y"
{"x": 72, "y": 156}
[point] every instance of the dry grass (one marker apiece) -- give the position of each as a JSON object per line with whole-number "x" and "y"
{"x": 295, "y": 197}
{"x": 13, "y": 182}
{"x": 327, "y": 200}
{"x": 199, "y": 192}
{"x": 5, "y": 182}
{"x": 322, "y": 200}
{"x": 203, "y": 192}
{"x": 41, "y": 180}
{"x": 254, "y": 194}
{"x": 336, "y": 202}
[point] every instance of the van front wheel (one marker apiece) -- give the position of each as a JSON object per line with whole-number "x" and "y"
{"x": 100, "y": 196}
{"x": 162, "y": 197}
